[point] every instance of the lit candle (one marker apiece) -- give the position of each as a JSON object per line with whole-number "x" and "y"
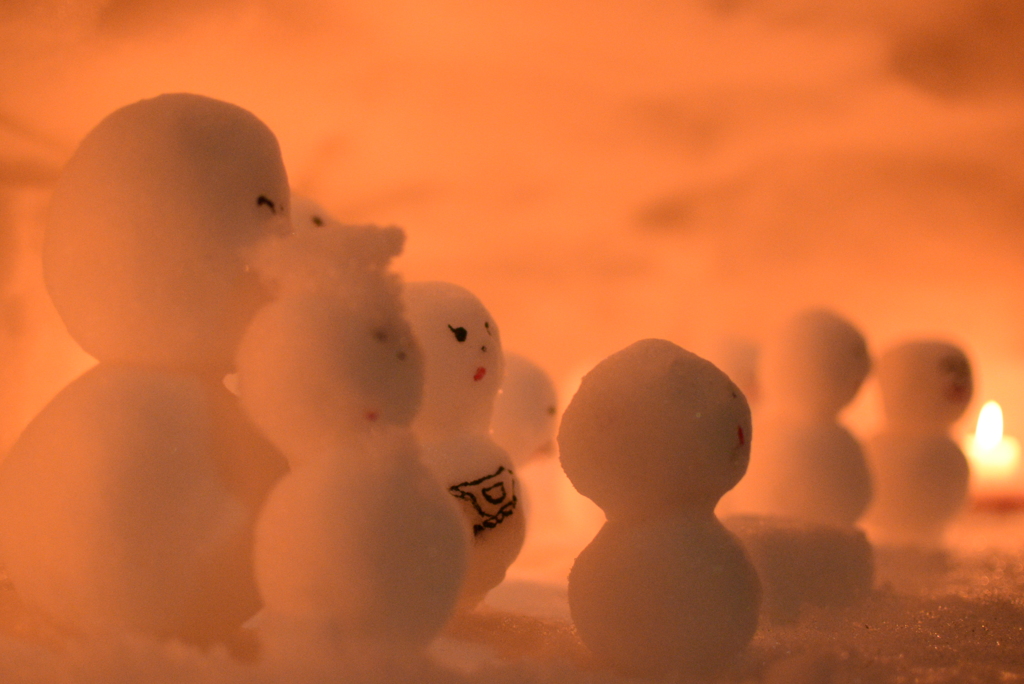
{"x": 994, "y": 458}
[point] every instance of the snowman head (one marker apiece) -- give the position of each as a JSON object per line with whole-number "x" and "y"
{"x": 331, "y": 359}
{"x": 149, "y": 227}
{"x": 815, "y": 366}
{"x": 654, "y": 428}
{"x": 925, "y": 384}
{"x": 463, "y": 361}
{"x": 316, "y": 371}
{"x": 526, "y": 411}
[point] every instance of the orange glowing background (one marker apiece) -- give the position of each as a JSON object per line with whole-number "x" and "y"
{"x": 597, "y": 172}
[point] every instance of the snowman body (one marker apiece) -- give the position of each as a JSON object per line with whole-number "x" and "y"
{"x": 373, "y": 551}
{"x": 670, "y": 594}
{"x": 808, "y": 462}
{"x": 128, "y": 503}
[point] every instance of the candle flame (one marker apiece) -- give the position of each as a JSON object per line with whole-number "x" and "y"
{"x": 990, "y": 426}
{"x": 992, "y": 456}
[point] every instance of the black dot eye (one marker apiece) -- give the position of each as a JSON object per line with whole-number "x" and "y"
{"x": 487, "y": 326}
{"x": 380, "y": 335}
{"x": 263, "y": 200}
{"x": 317, "y": 221}
{"x": 551, "y": 410}
{"x": 460, "y": 333}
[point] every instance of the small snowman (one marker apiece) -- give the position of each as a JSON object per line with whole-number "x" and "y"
{"x": 463, "y": 369}
{"x": 358, "y": 541}
{"x": 807, "y": 466}
{"x": 525, "y": 416}
{"x": 655, "y": 436}
{"x": 921, "y": 474}
{"x": 128, "y": 503}
{"x": 738, "y": 358}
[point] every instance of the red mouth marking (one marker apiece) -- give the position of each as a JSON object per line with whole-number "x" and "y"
{"x": 743, "y": 439}
{"x": 480, "y": 373}
{"x": 371, "y": 416}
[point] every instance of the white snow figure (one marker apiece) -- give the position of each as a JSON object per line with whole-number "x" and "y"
{"x": 463, "y": 368}
{"x": 738, "y": 358}
{"x": 655, "y": 436}
{"x": 921, "y": 474}
{"x": 358, "y": 540}
{"x": 806, "y": 466}
{"x": 525, "y": 416}
{"x": 128, "y": 502}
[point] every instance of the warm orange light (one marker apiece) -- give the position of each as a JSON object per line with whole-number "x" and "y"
{"x": 992, "y": 455}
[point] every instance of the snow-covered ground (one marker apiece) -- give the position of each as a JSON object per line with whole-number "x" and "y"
{"x": 958, "y": 619}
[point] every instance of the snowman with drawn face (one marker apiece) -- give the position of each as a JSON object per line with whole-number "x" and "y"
{"x": 463, "y": 370}
{"x": 128, "y": 503}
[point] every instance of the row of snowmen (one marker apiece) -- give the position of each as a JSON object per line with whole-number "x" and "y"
{"x": 907, "y": 482}
{"x": 812, "y": 487}
{"x": 275, "y": 421}
{"x": 348, "y": 484}
{"x": 660, "y": 439}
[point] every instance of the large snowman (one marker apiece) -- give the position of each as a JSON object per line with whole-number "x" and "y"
{"x": 128, "y": 503}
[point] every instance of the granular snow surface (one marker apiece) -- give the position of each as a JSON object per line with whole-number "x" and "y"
{"x": 954, "y": 618}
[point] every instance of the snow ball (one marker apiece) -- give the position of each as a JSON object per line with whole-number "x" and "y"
{"x": 925, "y": 383}
{"x": 463, "y": 361}
{"x": 144, "y": 253}
{"x": 816, "y": 365}
{"x": 369, "y": 547}
{"x": 526, "y": 411}
{"x": 655, "y": 427}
